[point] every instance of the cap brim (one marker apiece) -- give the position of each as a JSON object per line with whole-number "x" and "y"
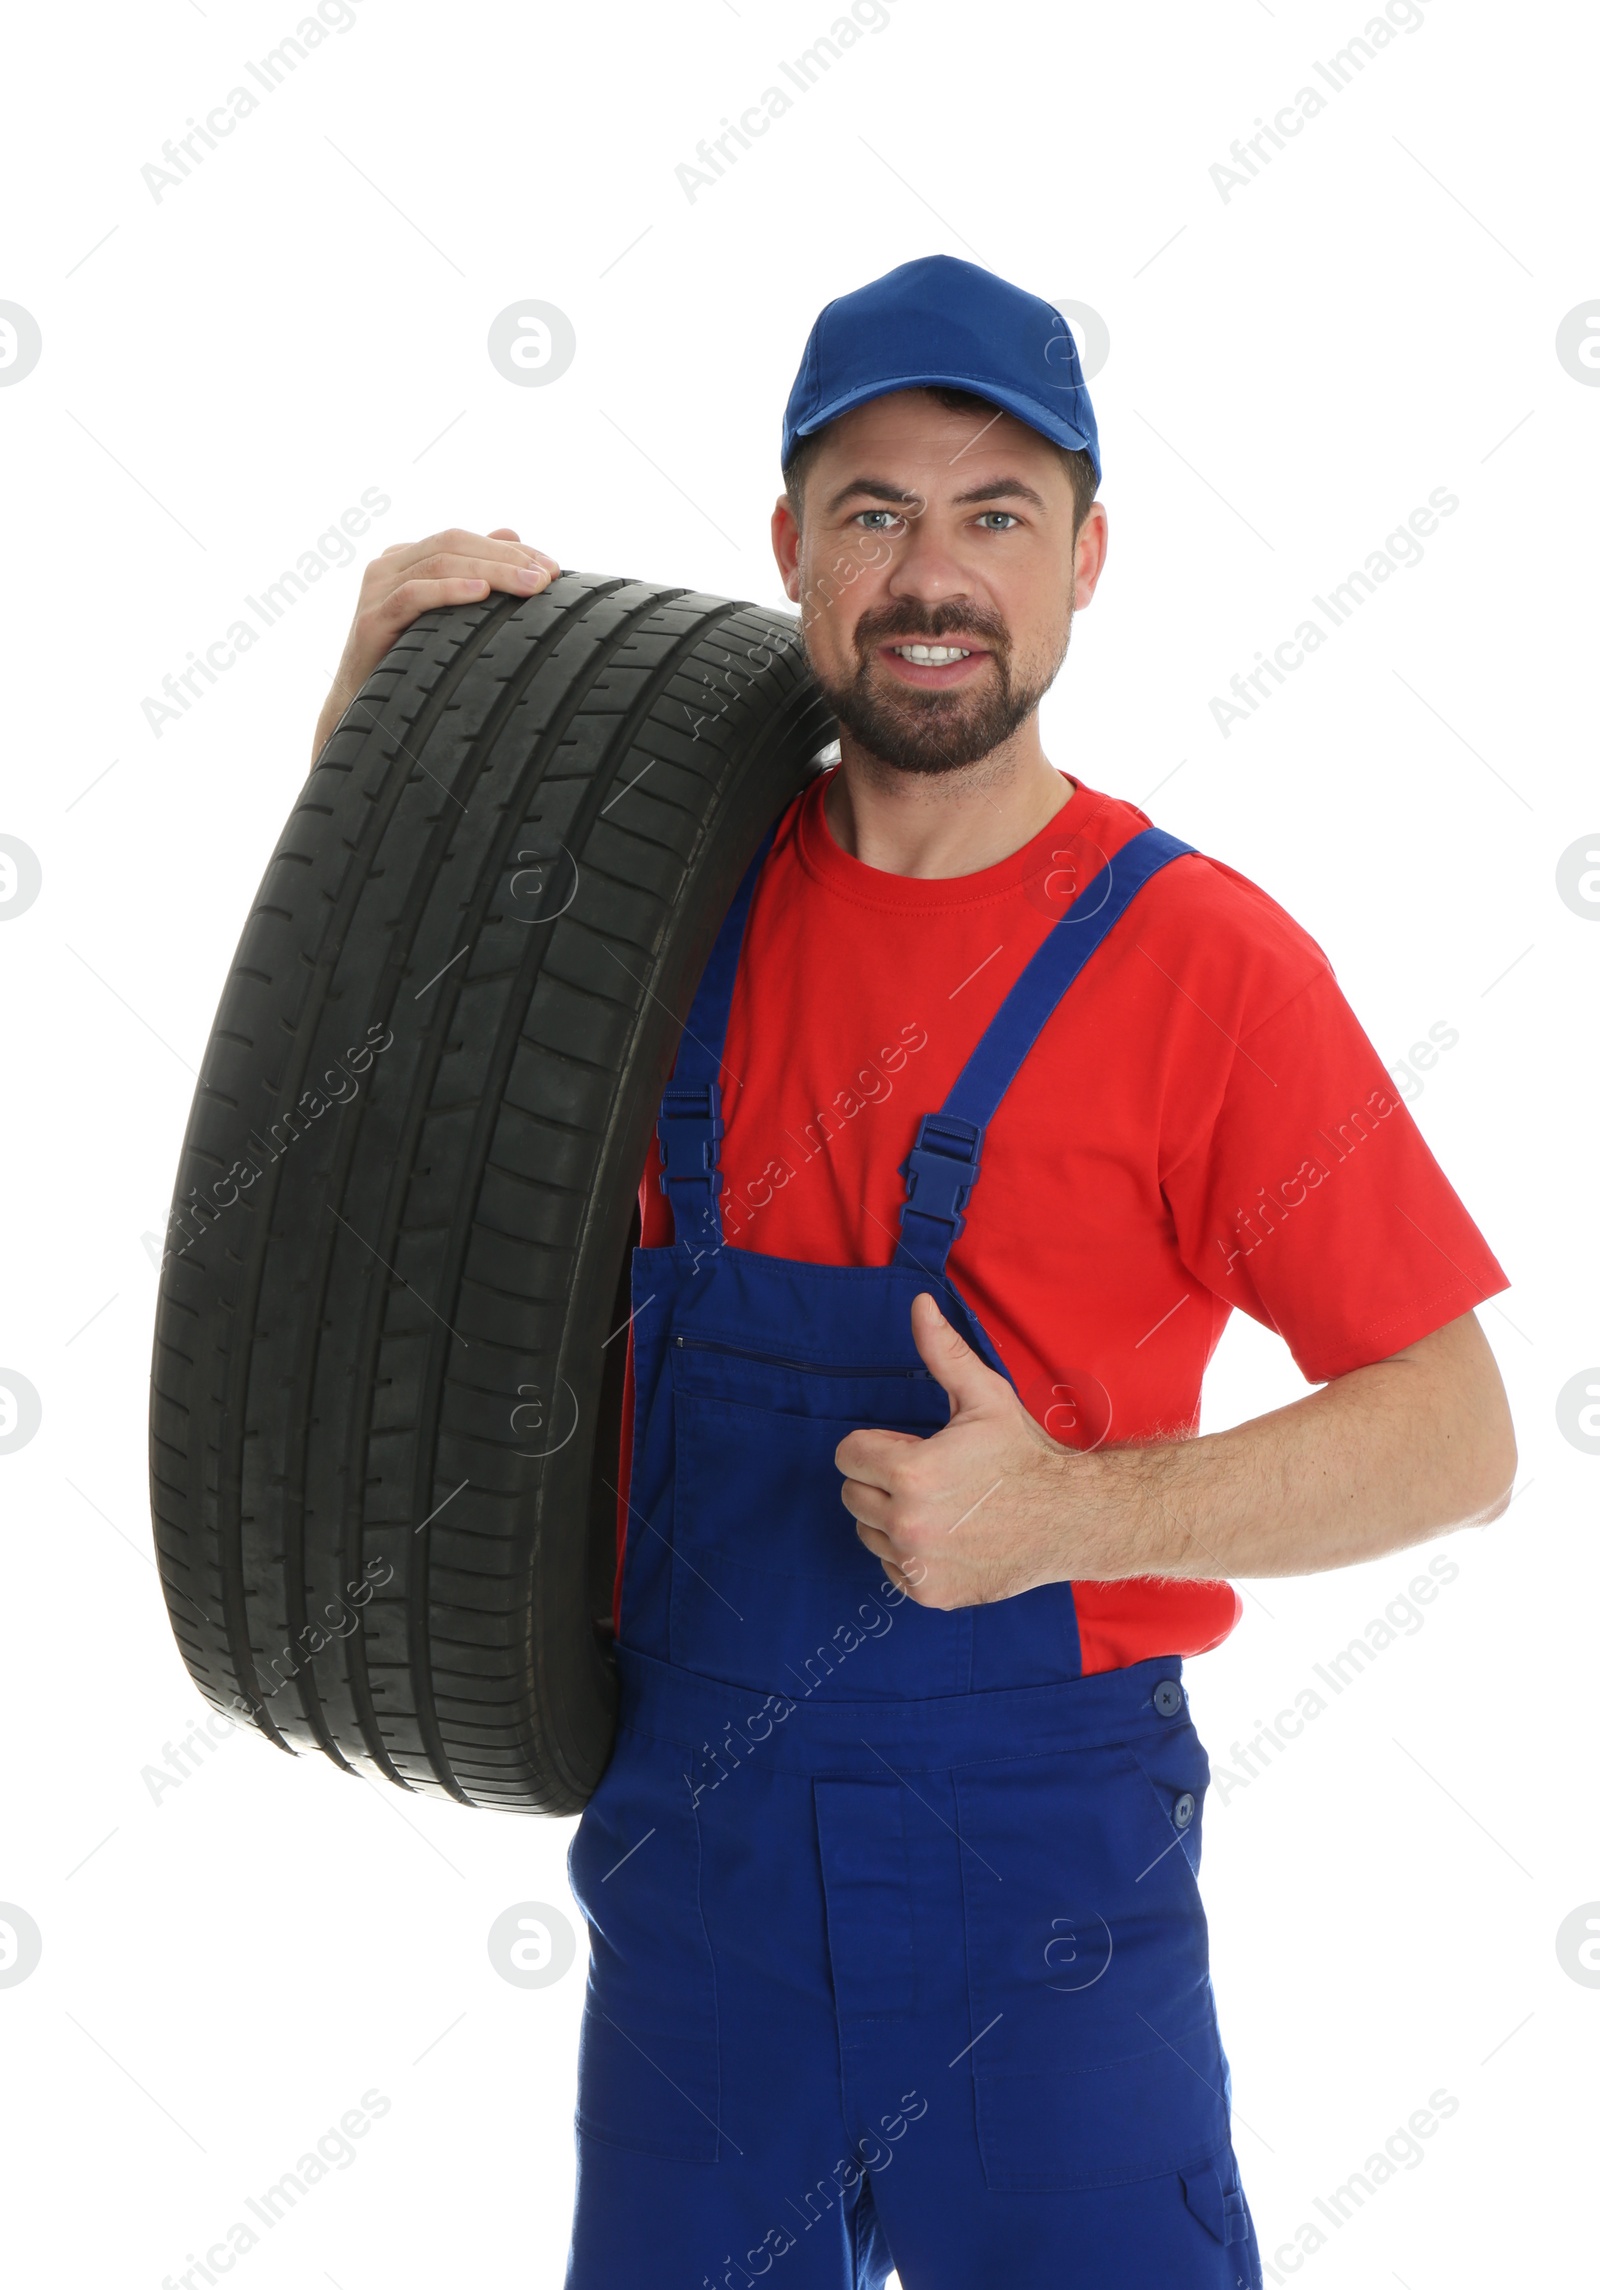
{"x": 1028, "y": 410}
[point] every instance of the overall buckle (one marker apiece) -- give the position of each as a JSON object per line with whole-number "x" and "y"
{"x": 689, "y": 1129}
{"x": 941, "y": 1170}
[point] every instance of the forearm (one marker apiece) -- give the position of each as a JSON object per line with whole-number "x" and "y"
{"x": 1382, "y": 1457}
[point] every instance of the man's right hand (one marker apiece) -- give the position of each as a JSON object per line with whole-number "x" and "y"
{"x": 413, "y": 577}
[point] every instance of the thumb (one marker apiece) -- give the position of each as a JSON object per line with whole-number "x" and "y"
{"x": 968, "y": 1381}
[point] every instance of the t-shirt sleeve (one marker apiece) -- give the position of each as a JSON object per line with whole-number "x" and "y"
{"x": 1313, "y": 1202}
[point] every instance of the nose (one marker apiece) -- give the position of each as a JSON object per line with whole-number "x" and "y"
{"x": 926, "y": 569}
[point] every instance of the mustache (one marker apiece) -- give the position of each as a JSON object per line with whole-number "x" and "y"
{"x": 939, "y": 624}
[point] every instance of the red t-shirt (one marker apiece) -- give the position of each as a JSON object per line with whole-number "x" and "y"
{"x": 1202, "y": 1124}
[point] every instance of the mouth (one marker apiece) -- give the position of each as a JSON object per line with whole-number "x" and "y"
{"x": 931, "y": 666}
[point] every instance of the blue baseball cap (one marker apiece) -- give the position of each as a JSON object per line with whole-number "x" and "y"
{"x": 944, "y": 324}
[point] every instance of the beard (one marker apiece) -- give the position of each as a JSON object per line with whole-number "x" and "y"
{"x": 927, "y": 732}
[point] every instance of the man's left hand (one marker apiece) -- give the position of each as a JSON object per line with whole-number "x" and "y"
{"x": 984, "y": 1508}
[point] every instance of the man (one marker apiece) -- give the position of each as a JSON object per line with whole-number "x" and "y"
{"x": 1008, "y": 1099}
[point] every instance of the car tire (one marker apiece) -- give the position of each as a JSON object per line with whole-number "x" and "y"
{"x": 387, "y": 1377}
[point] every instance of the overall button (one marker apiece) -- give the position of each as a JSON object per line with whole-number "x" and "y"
{"x": 1183, "y": 1811}
{"x": 1168, "y": 1697}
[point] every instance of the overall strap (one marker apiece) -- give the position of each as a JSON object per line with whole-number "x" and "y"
{"x": 942, "y": 1167}
{"x": 689, "y": 1125}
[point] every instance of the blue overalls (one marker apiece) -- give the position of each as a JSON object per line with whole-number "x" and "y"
{"x": 897, "y": 1953}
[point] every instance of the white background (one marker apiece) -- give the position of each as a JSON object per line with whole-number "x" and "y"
{"x": 1292, "y": 370}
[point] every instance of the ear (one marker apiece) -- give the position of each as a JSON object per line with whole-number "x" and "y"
{"x": 1089, "y": 555}
{"x": 786, "y": 547}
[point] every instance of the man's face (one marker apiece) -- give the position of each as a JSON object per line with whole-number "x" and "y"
{"x": 923, "y": 527}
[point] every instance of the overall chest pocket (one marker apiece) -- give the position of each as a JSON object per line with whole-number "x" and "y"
{"x": 1096, "y": 2059}
{"x": 771, "y": 1585}
{"x": 756, "y": 1483}
{"x": 649, "y": 2059}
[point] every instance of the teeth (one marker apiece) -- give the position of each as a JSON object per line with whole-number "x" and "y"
{"x": 932, "y": 655}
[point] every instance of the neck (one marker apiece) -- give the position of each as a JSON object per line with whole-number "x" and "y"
{"x": 944, "y": 823}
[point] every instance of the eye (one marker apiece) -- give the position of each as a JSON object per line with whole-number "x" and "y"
{"x": 864, "y": 518}
{"x": 1007, "y": 520}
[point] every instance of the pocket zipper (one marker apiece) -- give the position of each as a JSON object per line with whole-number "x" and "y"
{"x": 805, "y": 1367}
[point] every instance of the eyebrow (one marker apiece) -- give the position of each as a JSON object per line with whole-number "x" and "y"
{"x": 878, "y": 489}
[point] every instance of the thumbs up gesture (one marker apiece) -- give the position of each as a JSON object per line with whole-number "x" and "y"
{"x": 984, "y": 1509}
